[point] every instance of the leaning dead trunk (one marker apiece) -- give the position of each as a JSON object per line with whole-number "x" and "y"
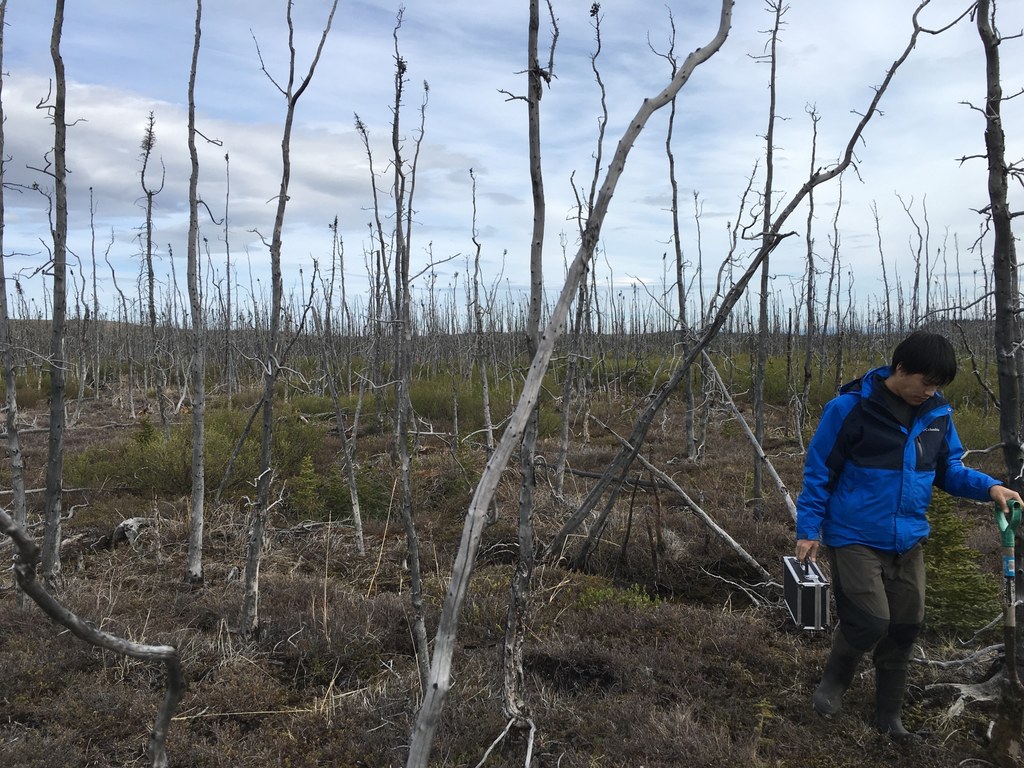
{"x": 444, "y": 646}
{"x": 25, "y": 573}
{"x": 709, "y": 367}
{"x": 618, "y": 469}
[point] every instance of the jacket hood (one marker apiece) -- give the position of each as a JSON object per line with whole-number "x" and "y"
{"x": 866, "y": 384}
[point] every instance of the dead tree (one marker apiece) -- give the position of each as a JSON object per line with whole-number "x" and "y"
{"x": 444, "y": 645}
{"x": 834, "y": 279}
{"x": 292, "y": 91}
{"x": 888, "y": 320}
{"x": 1007, "y": 330}
{"x": 150, "y": 193}
{"x": 325, "y": 330}
{"x": 7, "y": 343}
{"x": 82, "y": 318}
{"x": 194, "y": 561}
{"x": 230, "y": 375}
{"x": 681, "y": 286}
{"x": 1008, "y": 337}
{"x": 516, "y": 617}
{"x": 767, "y": 201}
{"x": 810, "y": 295}
{"x": 57, "y": 363}
{"x": 382, "y": 304}
{"x": 480, "y": 357}
{"x": 710, "y": 368}
{"x": 919, "y": 254}
{"x": 403, "y": 188}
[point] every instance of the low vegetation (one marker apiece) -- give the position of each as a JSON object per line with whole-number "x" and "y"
{"x": 665, "y": 651}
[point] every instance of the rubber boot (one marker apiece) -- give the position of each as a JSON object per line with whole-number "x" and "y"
{"x": 890, "y": 689}
{"x": 839, "y": 669}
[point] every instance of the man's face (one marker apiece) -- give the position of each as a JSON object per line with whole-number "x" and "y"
{"x": 914, "y": 388}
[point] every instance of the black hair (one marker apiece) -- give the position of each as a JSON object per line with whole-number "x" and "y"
{"x": 927, "y": 353}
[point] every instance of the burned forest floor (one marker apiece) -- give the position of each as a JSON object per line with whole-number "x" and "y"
{"x": 663, "y": 649}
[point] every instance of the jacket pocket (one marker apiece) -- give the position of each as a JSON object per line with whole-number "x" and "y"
{"x": 929, "y": 447}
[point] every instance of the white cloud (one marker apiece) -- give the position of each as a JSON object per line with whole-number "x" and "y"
{"x": 124, "y": 63}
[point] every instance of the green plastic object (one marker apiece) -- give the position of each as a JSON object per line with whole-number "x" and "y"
{"x": 1008, "y": 524}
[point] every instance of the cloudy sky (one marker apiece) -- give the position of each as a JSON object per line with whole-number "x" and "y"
{"x": 125, "y": 60}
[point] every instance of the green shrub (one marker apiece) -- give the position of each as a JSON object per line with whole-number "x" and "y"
{"x": 223, "y": 426}
{"x": 146, "y": 433}
{"x": 374, "y": 487}
{"x": 432, "y": 399}
{"x": 31, "y": 387}
{"x": 147, "y": 463}
{"x": 595, "y": 596}
{"x": 960, "y": 598}
{"x": 304, "y": 403}
{"x": 305, "y": 492}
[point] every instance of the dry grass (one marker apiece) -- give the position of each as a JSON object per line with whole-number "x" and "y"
{"x": 653, "y": 657}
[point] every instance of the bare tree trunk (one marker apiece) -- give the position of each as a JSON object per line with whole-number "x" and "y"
{"x": 689, "y": 433}
{"x": 699, "y": 429}
{"x": 1006, "y": 739}
{"x": 660, "y": 476}
{"x": 479, "y": 353}
{"x": 574, "y": 379}
{"x": 194, "y": 562}
{"x": 156, "y": 342}
{"x": 444, "y": 645}
{"x": 382, "y": 307}
{"x": 778, "y": 9}
{"x": 920, "y": 252}
{"x": 97, "y": 368}
{"x": 230, "y": 375}
{"x": 82, "y": 318}
{"x": 326, "y": 330}
{"x": 249, "y": 623}
{"x": 126, "y": 361}
{"x": 404, "y": 187}
{"x": 58, "y": 365}
{"x": 888, "y": 323}
{"x": 810, "y": 298}
{"x": 1008, "y": 332}
{"x": 513, "y": 701}
{"x": 14, "y": 453}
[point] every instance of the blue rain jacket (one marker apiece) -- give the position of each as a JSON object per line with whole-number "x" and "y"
{"x": 868, "y": 479}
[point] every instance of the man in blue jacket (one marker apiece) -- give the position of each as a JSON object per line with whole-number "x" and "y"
{"x": 881, "y": 445}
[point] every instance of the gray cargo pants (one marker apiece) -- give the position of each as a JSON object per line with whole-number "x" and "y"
{"x": 879, "y": 596}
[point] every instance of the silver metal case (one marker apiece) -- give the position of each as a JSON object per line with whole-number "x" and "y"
{"x": 806, "y": 590}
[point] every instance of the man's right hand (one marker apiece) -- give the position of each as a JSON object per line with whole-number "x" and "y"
{"x": 807, "y": 549}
